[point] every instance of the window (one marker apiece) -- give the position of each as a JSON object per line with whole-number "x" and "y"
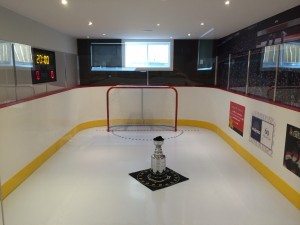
{"x": 5, "y": 53}
{"x": 130, "y": 55}
{"x": 290, "y": 57}
{"x": 269, "y": 57}
{"x": 148, "y": 55}
{"x": 23, "y": 56}
{"x": 106, "y": 55}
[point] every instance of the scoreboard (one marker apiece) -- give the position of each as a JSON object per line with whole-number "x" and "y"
{"x": 43, "y": 68}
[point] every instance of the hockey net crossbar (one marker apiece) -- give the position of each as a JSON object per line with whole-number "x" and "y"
{"x": 132, "y": 108}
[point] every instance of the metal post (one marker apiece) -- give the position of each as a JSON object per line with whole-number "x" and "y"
{"x": 147, "y": 77}
{"x": 216, "y": 70}
{"x": 15, "y": 71}
{"x": 107, "y": 109}
{"x": 142, "y": 106}
{"x": 276, "y": 73}
{"x": 229, "y": 61}
{"x": 248, "y": 69}
{"x": 65, "y": 65}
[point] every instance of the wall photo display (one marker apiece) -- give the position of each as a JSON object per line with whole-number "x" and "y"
{"x": 236, "y": 117}
{"x": 292, "y": 149}
{"x": 262, "y": 132}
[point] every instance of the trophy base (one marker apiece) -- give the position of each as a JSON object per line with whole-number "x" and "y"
{"x": 156, "y": 181}
{"x": 158, "y": 177}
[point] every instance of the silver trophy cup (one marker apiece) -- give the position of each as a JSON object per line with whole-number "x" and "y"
{"x": 158, "y": 159}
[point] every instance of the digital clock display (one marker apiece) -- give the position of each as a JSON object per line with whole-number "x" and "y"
{"x": 42, "y": 59}
{"x": 43, "y": 69}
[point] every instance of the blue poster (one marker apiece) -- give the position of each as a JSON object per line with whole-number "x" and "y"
{"x": 256, "y": 128}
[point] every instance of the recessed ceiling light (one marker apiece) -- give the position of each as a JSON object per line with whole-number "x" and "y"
{"x": 158, "y": 24}
{"x": 171, "y": 37}
{"x": 189, "y": 34}
{"x": 104, "y": 34}
{"x": 227, "y": 2}
{"x": 202, "y": 24}
{"x": 64, "y": 2}
{"x": 90, "y": 23}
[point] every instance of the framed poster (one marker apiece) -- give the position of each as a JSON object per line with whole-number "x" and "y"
{"x": 236, "y": 117}
{"x": 262, "y": 132}
{"x": 291, "y": 158}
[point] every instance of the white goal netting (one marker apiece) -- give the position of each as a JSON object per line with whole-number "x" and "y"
{"x": 142, "y": 108}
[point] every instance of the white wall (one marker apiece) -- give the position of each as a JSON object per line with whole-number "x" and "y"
{"x": 1, "y": 206}
{"x": 20, "y": 29}
{"x": 213, "y": 105}
{"x": 27, "y": 129}
{"x": 1, "y": 216}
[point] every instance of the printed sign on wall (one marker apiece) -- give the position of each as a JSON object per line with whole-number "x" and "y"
{"x": 262, "y": 132}
{"x": 236, "y": 117}
{"x": 292, "y": 149}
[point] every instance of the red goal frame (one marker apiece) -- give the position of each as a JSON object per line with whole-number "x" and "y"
{"x": 141, "y": 87}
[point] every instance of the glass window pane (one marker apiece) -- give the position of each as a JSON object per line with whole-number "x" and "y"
{"x": 5, "y": 53}
{"x": 7, "y": 77}
{"x": 23, "y": 63}
{"x": 23, "y": 56}
{"x": 150, "y": 55}
{"x": 238, "y": 72}
{"x": 262, "y": 71}
{"x": 223, "y": 67}
{"x": 135, "y": 55}
{"x": 288, "y": 80}
{"x": 290, "y": 55}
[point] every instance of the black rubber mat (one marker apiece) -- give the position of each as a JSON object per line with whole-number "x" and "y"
{"x": 158, "y": 181}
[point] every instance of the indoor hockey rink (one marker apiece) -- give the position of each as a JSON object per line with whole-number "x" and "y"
{"x": 87, "y": 182}
{"x": 150, "y": 112}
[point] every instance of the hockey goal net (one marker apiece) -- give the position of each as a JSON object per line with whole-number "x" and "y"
{"x": 142, "y": 107}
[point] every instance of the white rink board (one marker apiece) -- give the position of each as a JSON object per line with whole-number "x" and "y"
{"x": 1, "y": 206}
{"x": 28, "y": 128}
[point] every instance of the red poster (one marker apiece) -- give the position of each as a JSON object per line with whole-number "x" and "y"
{"x": 236, "y": 117}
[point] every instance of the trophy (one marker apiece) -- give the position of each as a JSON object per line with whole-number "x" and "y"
{"x": 158, "y": 176}
{"x": 158, "y": 159}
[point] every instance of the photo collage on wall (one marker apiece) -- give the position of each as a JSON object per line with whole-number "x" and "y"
{"x": 236, "y": 117}
{"x": 262, "y": 132}
{"x": 292, "y": 149}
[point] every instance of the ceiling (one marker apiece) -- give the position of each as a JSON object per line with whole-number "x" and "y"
{"x": 138, "y": 19}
